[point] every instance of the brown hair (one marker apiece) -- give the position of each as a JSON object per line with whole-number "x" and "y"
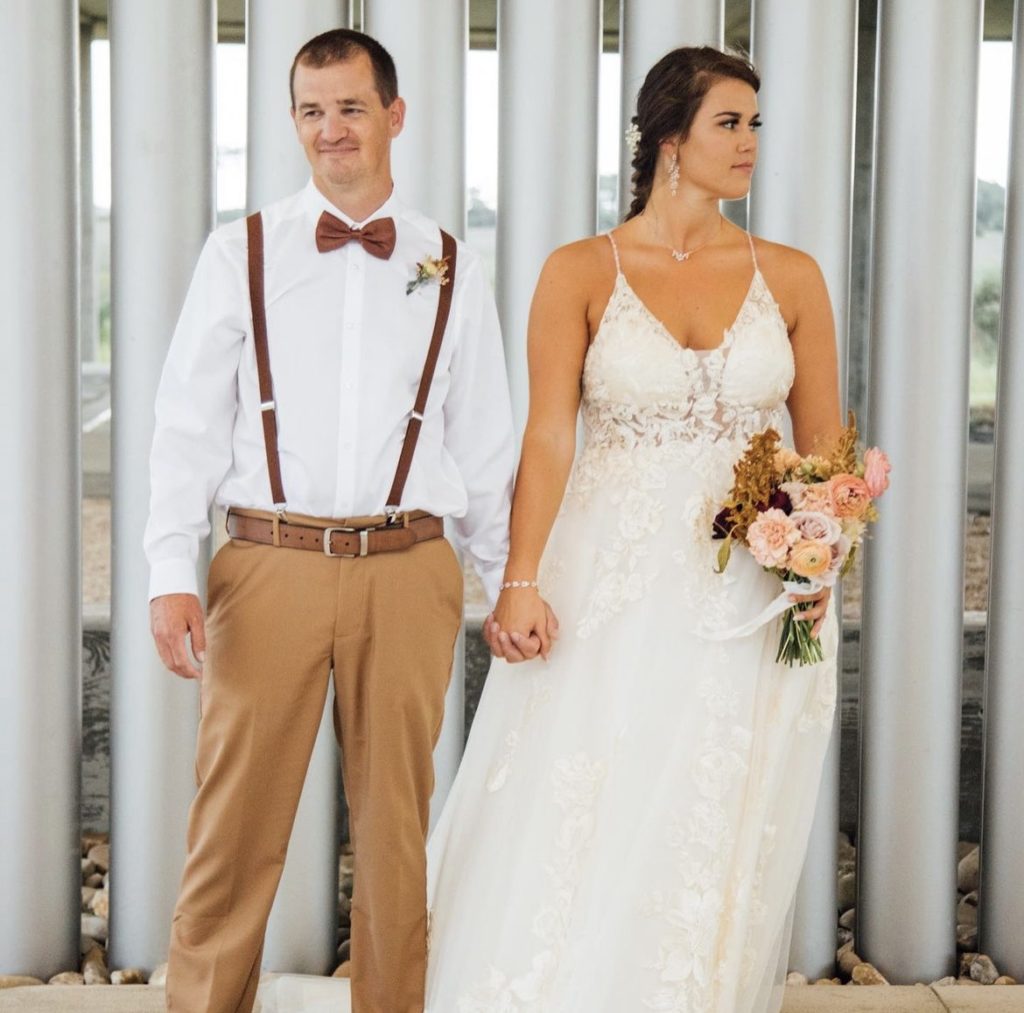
{"x": 341, "y": 44}
{"x": 668, "y": 102}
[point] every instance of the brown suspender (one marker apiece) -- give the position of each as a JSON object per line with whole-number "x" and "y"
{"x": 412, "y": 430}
{"x": 268, "y": 406}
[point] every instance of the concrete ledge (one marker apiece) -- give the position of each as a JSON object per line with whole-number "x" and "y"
{"x": 275, "y": 989}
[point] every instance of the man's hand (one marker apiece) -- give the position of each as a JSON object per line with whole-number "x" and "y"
{"x": 520, "y": 629}
{"x": 172, "y": 617}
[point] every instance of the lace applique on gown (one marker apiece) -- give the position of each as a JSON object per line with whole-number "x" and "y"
{"x": 628, "y": 824}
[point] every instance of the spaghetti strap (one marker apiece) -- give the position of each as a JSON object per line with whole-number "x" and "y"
{"x": 615, "y": 252}
{"x": 750, "y": 239}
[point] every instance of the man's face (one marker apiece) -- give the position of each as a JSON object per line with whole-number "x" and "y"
{"x": 342, "y": 124}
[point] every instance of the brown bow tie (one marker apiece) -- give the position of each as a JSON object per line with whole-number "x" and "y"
{"x": 377, "y": 237}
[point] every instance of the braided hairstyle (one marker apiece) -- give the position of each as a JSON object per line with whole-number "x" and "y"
{"x": 668, "y": 101}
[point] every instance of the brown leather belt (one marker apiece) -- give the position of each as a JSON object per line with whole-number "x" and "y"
{"x": 362, "y": 539}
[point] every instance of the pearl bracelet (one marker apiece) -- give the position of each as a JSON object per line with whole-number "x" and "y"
{"x": 517, "y": 583}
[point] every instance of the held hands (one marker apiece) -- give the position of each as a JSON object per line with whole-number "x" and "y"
{"x": 521, "y": 626}
{"x": 171, "y": 618}
{"x": 816, "y": 612}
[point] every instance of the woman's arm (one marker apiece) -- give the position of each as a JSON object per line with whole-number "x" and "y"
{"x": 557, "y": 339}
{"x": 814, "y": 397}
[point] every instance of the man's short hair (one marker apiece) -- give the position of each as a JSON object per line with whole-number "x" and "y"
{"x": 342, "y": 44}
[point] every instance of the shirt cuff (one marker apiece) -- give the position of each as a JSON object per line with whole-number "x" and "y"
{"x": 490, "y": 577}
{"x": 173, "y": 576}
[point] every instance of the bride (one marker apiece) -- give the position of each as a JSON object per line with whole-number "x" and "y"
{"x": 628, "y": 825}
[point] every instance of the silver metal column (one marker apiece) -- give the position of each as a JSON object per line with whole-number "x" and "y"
{"x": 301, "y": 933}
{"x": 429, "y": 43}
{"x": 1002, "y": 905}
{"x": 162, "y": 176}
{"x": 805, "y": 52}
{"x": 913, "y": 581}
{"x": 648, "y": 29}
{"x": 40, "y": 618}
{"x": 87, "y": 288}
{"x": 274, "y": 32}
{"x": 547, "y": 140}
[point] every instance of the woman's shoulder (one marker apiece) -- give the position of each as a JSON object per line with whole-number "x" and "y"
{"x": 788, "y": 263}
{"x": 579, "y": 264}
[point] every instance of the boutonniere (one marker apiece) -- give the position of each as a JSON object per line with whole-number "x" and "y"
{"x": 430, "y": 269}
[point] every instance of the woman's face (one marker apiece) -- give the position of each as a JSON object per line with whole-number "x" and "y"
{"x": 720, "y": 152}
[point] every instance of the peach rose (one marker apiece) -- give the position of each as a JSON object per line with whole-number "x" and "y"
{"x": 816, "y": 526}
{"x": 810, "y": 558}
{"x": 876, "y": 471}
{"x": 771, "y": 536}
{"x": 850, "y": 496}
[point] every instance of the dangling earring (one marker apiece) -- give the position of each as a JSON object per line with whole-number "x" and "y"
{"x": 673, "y": 174}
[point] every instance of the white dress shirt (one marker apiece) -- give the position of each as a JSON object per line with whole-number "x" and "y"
{"x": 347, "y": 347}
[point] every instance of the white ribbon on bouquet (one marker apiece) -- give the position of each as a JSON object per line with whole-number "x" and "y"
{"x": 773, "y": 609}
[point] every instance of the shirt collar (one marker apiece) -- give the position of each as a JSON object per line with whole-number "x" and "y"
{"x": 317, "y": 203}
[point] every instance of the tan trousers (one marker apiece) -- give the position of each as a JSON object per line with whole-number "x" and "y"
{"x": 279, "y": 621}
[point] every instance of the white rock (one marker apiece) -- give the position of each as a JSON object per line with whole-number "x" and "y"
{"x": 128, "y": 976}
{"x": 99, "y": 855}
{"x": 101, "y": 904}
{"x": 18, "y": 980}
{"x": 159, "y": 976}
{"x": 868, "y": 974}
{"x": 983, "y": 970}
{"x": 847, "y": 891}
{"x": 67, "y": 978}
{"x": 94, "y": 926}
{"x": 848, "y": 919}
{"x": 796, "y": 978}
{"x": 967, "y": 910}
{"x": 942, "y": 982}
{"x": 94, "y": 968}
{"x": 967, "y": 872}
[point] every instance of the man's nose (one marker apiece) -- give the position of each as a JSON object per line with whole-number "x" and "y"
{"x": 334, "y": 127}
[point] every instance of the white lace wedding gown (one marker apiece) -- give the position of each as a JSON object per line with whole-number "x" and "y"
{"x": 628, "y": 825}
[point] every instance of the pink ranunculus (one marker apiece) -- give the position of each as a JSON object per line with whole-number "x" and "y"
{"x": 810, "y": 558}
{"x": 771, "y": 536}
{"x": 810, "y": 496}
{"x": 850, "y": 496}
{"x": 876, "y": 471}
{"x": 816, "y": 526}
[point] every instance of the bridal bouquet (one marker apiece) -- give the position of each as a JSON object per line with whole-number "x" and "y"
{"x": 803, "y": 519}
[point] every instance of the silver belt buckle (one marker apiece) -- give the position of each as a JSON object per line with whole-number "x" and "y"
{"x": 364, "y": 543}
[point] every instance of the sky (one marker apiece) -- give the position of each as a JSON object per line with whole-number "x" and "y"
{"x": 482, "y": 126}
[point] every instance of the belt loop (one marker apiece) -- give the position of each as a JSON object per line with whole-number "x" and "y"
{"x": 275, "y": 524}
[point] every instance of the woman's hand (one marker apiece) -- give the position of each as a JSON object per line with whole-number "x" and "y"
{"x": 817, "y": 611}
{"x": 521, "y": 626}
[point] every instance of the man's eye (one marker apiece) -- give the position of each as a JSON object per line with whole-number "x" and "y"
{"x": 310, "y": 113}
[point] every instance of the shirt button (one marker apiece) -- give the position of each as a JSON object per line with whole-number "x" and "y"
{"x": 347, "y": 386}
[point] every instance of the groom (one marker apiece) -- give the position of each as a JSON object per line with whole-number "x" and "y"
{"x": 336, "y": 381}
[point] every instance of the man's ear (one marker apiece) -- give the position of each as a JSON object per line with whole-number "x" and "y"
{"x": 396, "y": 115}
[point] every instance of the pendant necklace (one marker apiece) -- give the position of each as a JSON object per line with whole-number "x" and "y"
{"x": 681, "y": 256}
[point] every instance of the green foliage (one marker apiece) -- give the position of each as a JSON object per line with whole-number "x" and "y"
{"x": 986, "y": 315}
{"x": 991, "y": 207}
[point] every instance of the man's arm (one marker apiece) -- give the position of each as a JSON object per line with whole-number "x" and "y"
{"x": 479, "y": 433}
{"x": 195, "y": 412}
